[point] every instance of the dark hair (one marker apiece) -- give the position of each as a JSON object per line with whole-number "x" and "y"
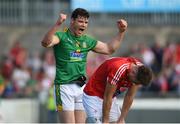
{"x": 80, "y": 12}
{"x": 144, "y": 75}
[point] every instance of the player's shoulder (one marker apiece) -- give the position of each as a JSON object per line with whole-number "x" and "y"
{"x": 87, "y": 36}
{"x": 135, "y": 60}
{"x": 116, "y": 61}
{"x": 63, "y": 31}
{"x": 60, "y": 33}
{"x": 125, "y": 61}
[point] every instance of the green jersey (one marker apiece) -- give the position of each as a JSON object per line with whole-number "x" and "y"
{"x": 70, "y": 55}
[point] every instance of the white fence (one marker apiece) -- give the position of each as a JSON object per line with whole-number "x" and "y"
{"x": 154, "y": 111}
{"x": 142, "y": 111}
{"x": 19, "y": 111}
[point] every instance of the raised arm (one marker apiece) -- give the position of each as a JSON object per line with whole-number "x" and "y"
{"x": 107, "y": 102}
{"x": 50, "y": 39}
{"x": 127, "y": 102}
{"x": 110, "y": 47}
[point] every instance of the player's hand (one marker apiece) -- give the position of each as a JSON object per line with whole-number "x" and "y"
{"x": 61, "y": 19}
{"x": 122, "y": 121}
{"x": 122, "y": 25}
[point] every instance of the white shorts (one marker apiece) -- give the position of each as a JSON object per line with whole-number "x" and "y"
{"x": 68, "y": 97}
{"x": 93, "y": 108}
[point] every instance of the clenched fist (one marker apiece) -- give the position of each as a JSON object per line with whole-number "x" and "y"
{"x": 122, "y": 25}
{"x": 61, "y": 19}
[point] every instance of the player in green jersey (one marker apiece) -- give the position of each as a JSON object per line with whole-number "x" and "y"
{"x": 70, "y": 49}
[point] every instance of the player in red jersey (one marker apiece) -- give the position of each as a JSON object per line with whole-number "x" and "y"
{"x": 112, "y": 77}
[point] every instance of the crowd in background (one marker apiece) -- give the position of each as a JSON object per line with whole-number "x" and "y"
{"x": 31, "y": 74}
{"x": 165, "y": 64}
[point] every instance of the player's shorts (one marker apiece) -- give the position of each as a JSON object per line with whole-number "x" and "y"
{"x": 68, "y": 97}
{"x": 93, "y": 108}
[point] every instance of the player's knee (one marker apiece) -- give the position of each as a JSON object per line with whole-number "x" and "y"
{"x": 92, "y": 120}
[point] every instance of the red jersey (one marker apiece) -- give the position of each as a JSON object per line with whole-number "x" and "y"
{"x": 113, "y": 71}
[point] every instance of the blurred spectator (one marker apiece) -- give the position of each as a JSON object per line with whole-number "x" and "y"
{"x": 93, "y": 61}
{"x": 169, "y": 55}
{"x": 31, "y": 88}
{"x": 174, "y": 84}
{"x": 177, "y": 54}
{"x": 135, "y": 51}
{"x": 35, "y": 61}
{"x": 148, "y": 57}
{"x": 7, "y": 68}
{"x": 158, "y": 55}
{"x": 44, "y": 84}
{"x": 15, "y": 49}
{"x": 32, "y": 76}
{"x": 177, "y": 60}
{"x": 21, "y": 58}
{"x": 6, "y": 71}
{"x": 159, "y": 84}
{"x": 154, "y": 87}
{"x": 163, "y": 83}
{"x": 51, "y": 107}
{"x": 49, "y": 65}
{"x": 9, "y": 90}
{"x": 20, "y": 77}
{"x": 2, "y": 85}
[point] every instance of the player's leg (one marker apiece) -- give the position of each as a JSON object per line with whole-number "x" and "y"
{"x": 66, "y": 116}
{"x": 80, "y": 114}
{"x": 65, "y": 103}
{"x": 115, "y": 111}
{"x": 93, "y": 108}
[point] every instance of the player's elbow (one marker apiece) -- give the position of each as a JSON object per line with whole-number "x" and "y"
{"x": 110, "y": 51}
{"x": 44, "y": 44}
{"x": 110, "y": 48}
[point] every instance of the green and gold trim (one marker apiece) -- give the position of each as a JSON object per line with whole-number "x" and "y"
{"x": 58, "y": 98}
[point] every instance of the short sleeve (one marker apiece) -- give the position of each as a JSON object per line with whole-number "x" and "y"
{"x": 59, "y": 34}
{"x": 91, "y": 42}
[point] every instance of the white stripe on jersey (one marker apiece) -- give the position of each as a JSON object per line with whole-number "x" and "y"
{"x": 119, "y": 76}
{"x": 122, "y": 71}
{"x": 119, "y": 72}
{"x": 139, "y": 63}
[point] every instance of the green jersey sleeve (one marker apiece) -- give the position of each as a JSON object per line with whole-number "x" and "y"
{"x": 91, "y": 42}
{"x": 59, "y": 34}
